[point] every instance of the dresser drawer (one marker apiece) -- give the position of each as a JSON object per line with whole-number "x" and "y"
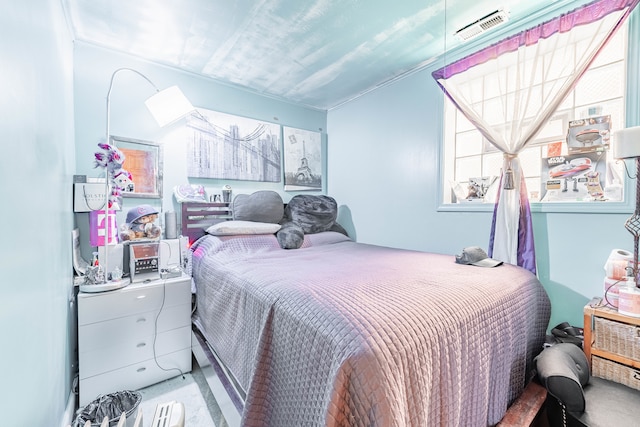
{"x": 135, "y": 298}
{"x": 132, "y": 328}
{"x": 130, "y": 351}
{"x": 135, "y": 376}
{"x": 616, "y": 337}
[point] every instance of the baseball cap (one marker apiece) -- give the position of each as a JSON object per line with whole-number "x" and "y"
{"x": 474, "y": 255}
{"x": 140, "y": 211}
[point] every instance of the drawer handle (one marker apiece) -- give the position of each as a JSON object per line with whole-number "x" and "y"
{"x": 636, "y": 375}
{"x": 141, "y": 369}
{"x": 142, "y": 344}
{"x": 141, "y": 320}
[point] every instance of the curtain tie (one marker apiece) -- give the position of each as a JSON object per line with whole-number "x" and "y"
{"x": 508, "y": 175}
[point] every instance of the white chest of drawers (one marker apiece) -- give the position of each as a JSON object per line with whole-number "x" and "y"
{"x": 133, "y": 337}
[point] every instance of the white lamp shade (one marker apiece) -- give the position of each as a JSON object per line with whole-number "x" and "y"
{"x": 626, "y": 143}
{"x": 169, "y": 105}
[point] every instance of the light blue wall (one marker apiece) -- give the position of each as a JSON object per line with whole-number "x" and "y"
{"x": 382, "y": 161}
{"x": 93, "y": 68}
{"x": 36, "y": 168}
{"x": 383, "y": 169}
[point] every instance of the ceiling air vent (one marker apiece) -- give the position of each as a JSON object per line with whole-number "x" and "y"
{"x": 483, "y": 24}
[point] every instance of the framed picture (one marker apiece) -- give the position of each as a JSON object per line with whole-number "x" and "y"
{"x": 302, "y": 159}
{"x": 143, "y": 160}
{"x": 225, "y": 146}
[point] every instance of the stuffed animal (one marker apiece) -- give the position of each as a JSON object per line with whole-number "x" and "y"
{"x": 307, "y": 214}
{"x": 124, "y": 181}
{"x": 111, "y": 159}
{"x": 140, "y": 224}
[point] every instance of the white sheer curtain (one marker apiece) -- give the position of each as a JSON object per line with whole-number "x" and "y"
{"x": 510, "y": 89}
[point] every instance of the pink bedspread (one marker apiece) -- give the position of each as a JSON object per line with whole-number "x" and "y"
{"x": 339, "y": 333}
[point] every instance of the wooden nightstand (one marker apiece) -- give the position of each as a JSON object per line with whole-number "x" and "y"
{"x": 612, "y": 345}
{"x": 133, "y": 337}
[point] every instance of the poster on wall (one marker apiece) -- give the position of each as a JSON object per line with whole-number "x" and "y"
{"x": 302, "y": 159}
{"x": 224, "y": 146}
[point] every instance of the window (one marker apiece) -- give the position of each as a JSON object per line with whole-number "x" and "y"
{"x": 568, "y": 161}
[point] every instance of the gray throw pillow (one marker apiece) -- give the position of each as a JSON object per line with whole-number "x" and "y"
{"x": 261, "y": 206}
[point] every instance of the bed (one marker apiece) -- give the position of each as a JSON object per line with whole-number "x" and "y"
{"x": 341, "y": 333}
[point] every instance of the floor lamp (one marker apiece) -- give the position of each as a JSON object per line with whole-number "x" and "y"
{"x": 166, "y": 107}
{"x": 627, "y": 146}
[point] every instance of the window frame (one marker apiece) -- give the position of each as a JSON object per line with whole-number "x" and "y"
{"x": 632, "y": 112}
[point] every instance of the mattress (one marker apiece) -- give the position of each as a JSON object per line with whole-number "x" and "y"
{"x": 339, "y": 333}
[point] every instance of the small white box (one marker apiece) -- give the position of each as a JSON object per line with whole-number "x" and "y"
{"x": 169, "y": 253}
{"x": 88, "y": 196}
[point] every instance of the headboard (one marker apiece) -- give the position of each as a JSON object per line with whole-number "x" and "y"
{"x": 197, "y": 217}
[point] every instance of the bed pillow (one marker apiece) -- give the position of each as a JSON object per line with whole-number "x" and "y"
{"x": 261, "y": 206}
{"x": 229, "y": 228}
{"x": 189, "y": 193}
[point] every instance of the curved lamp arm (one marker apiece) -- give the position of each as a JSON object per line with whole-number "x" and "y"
{"x": 166, "y": 106}
{"x": 113, "y": 76}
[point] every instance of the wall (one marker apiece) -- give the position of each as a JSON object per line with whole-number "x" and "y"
{"x": 36, "y": 168}
{"x": 93, "y": 68}
{"x": 383, "y": 169}
{"x": 383, "y": 156}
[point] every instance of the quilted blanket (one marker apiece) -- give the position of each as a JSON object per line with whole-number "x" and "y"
{"x": 339, "y": 333}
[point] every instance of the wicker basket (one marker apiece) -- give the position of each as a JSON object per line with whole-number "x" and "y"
{"x": 618, "y": 338}
{"x": 616, "y": 372}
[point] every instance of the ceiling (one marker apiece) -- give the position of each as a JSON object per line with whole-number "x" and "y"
{"x": 317, "y": 53}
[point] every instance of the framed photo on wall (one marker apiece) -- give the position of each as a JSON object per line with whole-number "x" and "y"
{"x": 226, "y": 146}
{"x": 143, "y": 159}
{"x": 302, "y": 159}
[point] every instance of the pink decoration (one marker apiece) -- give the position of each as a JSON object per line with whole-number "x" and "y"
{"x": 97, "y": 226}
